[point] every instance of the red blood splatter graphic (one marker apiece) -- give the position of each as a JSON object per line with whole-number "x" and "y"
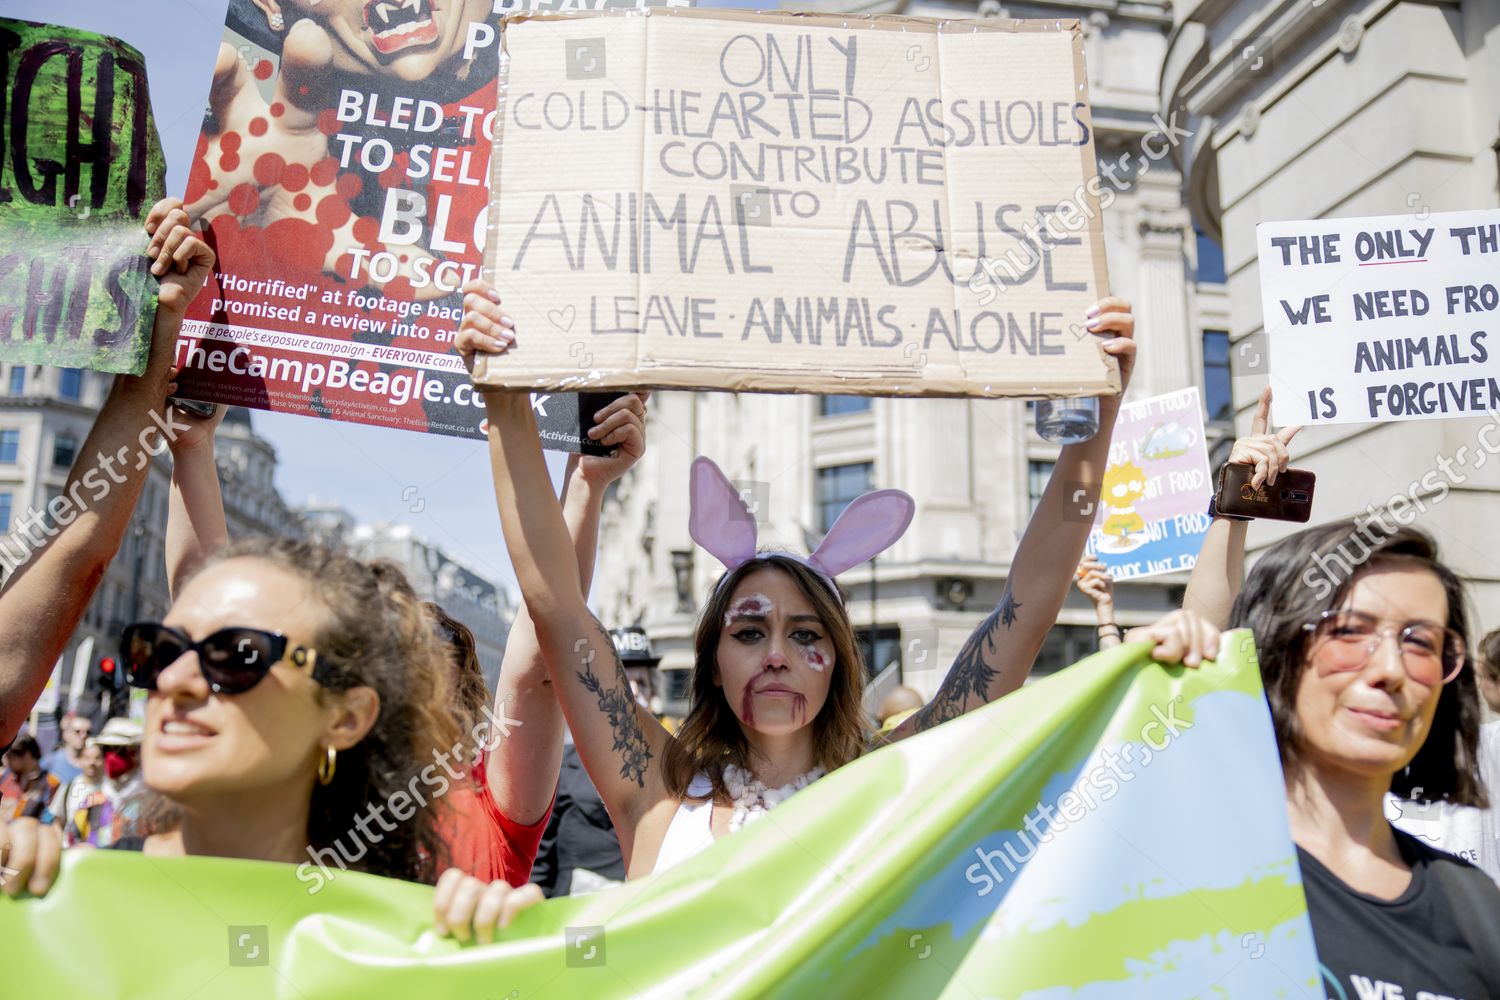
{"x": 302, "y": 202}
{"x": 333, "y": 212}
{"x": 325, "y": 171}
{"x": 244, "y": 200}
{"x": 349, "y": 185}
{"x": 277, "y": 109}
{"x": 229, "y": 162}
{"x": 328, "y": 120}
{"x": 367, "y": 231}
{"x": 200, "y": 181}
{"x": 268, "y": 168}
{"x": 258, "y": 126}
{"x": 294, "y": 177}
{"x": 264, "y": 69}
{"x": 230, "y": 142}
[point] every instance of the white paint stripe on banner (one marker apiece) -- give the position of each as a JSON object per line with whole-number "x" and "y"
{"x": 302, "y": 343}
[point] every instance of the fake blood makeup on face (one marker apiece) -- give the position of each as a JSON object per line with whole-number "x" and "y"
{"x": 749, "y": 606}
{"x": 814, "y": 657}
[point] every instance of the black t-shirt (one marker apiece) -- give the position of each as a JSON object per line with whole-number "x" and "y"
{"x": 1439, "y": 939}
{"x": 579, "y": 834}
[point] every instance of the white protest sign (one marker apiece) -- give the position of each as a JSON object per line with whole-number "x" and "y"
{"x": 1379, "y": 319}
{"x": 769, "y": 202}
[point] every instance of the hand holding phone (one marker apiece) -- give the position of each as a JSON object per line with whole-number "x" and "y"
{"x": 1287, "y": 499}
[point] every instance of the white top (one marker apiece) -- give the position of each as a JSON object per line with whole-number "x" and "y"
{"x": 1471, "y": 834}
{"x": 690, "y": 831}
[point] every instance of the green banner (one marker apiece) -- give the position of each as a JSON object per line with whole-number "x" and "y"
{"x": 80, "y": 166}
{"x": 1117, "y": 830}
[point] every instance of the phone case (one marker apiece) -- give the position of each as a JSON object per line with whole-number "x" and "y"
{"x": 1288, "y": 499}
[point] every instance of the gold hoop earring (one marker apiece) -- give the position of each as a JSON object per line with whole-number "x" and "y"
{"x": 326, "y": 765}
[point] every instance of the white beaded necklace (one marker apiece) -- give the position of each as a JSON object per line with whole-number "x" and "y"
{"x": 752, "y": 799}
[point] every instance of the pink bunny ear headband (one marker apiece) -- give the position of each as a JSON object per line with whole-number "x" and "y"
{"x": 721, "y": 523}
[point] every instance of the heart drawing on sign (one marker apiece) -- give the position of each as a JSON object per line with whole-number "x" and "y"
{"x": 563, "y": 318}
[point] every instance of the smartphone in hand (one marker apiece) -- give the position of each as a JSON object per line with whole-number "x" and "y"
{"x": 193, "y": 406}
{"x": 1288, "y": 499}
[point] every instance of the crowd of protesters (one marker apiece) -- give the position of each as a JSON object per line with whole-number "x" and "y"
{"x": 290, "y": 686}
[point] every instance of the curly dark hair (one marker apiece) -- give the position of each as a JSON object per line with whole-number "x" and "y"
{"x": 376, "y": 634}
{"x": 711, "y": 737}
{"x": 470, "y": 691}
{"x": 1293, "y": 583}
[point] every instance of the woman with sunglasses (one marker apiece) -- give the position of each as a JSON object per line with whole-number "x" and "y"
{"x": 292, "y": 689}
{"x": 1369, "y": 688}
{"x": 500, "y": 809}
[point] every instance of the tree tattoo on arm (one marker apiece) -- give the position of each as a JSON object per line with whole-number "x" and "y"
{"x": 970, "y": 676}
{"x": 619, "y": 705}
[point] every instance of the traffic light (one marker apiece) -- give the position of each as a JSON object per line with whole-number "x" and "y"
{"x": 107, "y": 684}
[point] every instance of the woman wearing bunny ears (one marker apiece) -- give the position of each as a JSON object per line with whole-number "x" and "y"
{"x": 777, "y": 679}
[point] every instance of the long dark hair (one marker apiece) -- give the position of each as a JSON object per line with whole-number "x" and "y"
{"x": 1305, "y": 574}
{"x": 376, "y": 634}
{"x": 711, "y": 737}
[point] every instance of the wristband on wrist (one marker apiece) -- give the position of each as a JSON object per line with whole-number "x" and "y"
{"x": 1214, "y": 511}
{"x": 1112, "y": 625}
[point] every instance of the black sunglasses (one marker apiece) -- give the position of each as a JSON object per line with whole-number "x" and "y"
{"x": 233, "y": 660}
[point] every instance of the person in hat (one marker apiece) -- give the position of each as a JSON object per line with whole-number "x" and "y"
{"x": 580, "y": 851}
{"x": 121, "y": 741}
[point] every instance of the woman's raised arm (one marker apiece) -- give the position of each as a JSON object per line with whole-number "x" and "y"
{"x": 619, "y": 742}
{"x": 998, "y": 655}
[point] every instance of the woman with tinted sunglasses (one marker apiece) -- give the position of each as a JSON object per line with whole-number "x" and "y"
{"x": 292, "y": 687}
{"x": 1368, "y": 677}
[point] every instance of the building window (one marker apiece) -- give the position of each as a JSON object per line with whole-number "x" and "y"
{"x": 832, "y": 406}
{"x": 70, "y": 384}
{"x": 1064, "y": 646}
{"x": 675, "y": 689}
{"x": 880, "y": 647}
{"x": 837, "y": 486}
{"x": 17, "y": 379}
{"x": 64, "y": 450}
{"x": 10, "y": 447}
{"x": 1210, "y": 259}
{"x": 1037, "y": 475}
{"x": 6, "y": 502}
{"x": 1218, "y": 397}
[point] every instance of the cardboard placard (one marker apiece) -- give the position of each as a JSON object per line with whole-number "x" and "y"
{"x": 1382, "y": 319}
{"x": 343, "y": 172}
{"x": 796, "y": 203}
{"x": 1152, "y": 514}
{"x": 80, "y": 166}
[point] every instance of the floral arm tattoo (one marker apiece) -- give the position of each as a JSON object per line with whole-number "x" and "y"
{"x": 970, "y": 676}
{"x": 619, "y": 705}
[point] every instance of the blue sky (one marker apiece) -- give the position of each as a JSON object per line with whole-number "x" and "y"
{"x": 439, "y": 486}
